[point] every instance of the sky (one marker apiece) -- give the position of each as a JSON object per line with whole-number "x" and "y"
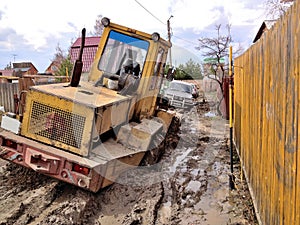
{"x": 31, "y": 30}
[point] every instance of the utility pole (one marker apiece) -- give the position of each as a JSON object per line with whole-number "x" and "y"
{"x": 169, "y": 36}
{"x": 231, "y": 176}
{"x": 14, "y": 55}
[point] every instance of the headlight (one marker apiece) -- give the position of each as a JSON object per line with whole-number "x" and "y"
{"x": 105, "y": 21}
{"x": 155, "y": 36}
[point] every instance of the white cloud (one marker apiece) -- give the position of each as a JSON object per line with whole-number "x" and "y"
{"x": 194, "y": 14}
{"x": 239, "y": 13}
{"x": 43, "y": 24}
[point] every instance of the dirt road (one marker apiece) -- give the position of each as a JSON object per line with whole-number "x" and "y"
{"x": 188, "y": 186}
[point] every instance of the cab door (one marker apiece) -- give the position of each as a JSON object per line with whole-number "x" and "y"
{"x": 151, "y": 81}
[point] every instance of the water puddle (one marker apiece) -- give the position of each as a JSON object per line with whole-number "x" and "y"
{"x": 180, "y": 158}
{"x": 210, "y": 114}
{"x": 211, "y": 210}
{"x": 108, "y": 220}
{"x": 194, "y": 186}
{"x": 165, "y": 212}
{"x": 194, "y": 130}
{"x": 195, "y": 172}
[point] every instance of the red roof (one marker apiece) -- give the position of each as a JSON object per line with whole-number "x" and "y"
{"x": 89, "y": 41}
{"x": 89, "y": 51}
{"x": 6, "y": 72}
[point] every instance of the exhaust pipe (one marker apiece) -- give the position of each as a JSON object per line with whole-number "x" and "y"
{"x": 77, "y": 69}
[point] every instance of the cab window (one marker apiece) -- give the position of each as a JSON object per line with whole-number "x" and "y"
{"x": 121, "y": 49}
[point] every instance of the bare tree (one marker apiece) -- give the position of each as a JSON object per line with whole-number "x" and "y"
{"x": 98, "y": 27}
{"x": 59, "y": 54}
{"x": 216, "y": 49}
{"x": 276, "y": 8}
{"x": 62, "y": 61}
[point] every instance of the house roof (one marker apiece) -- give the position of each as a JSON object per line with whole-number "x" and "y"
{"x": 266, "y": 25}
{"x": 23, "y": 66}
{"x": 213, "y": 60}
{"x": 6, "y": 72}
{"x": 89, "y": 51}
{"x": 89, "y": 41}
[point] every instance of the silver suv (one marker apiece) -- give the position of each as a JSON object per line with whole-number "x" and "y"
{"x": 180, "y": 94}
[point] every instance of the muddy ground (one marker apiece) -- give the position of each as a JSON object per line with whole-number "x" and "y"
{"x": 189, "y": 186}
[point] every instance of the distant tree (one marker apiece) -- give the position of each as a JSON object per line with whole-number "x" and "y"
{"x": 59, "y": 55}
{"x": 8, "y": 66}
{"x": 63, "y": 61}
{"x": 189, "y": 71}
{"x": 276, "y": 8}
{"x": 217, "y": 48}
{"x": 65, "y": 68}
{"x": 98, "y": 27}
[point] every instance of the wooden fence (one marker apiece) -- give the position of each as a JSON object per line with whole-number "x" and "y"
{"x": 266, "y": 121}
{"x": 7, "y": 92}
{"x": 18, "y": 89}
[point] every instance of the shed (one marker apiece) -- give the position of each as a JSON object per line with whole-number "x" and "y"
{"x": 53, "y": 67}
{"x": 24, "y": 68}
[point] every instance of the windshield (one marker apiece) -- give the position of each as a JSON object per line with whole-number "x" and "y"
{"x": 181, "y": 87}
{"x": 121, "y": 49}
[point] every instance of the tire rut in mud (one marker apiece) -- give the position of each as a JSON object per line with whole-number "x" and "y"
{"x": 42, "y": 200}
{"x": 24, "y": 194}
{"x": 27, "y": 197}
{"x": 191, "y": 158}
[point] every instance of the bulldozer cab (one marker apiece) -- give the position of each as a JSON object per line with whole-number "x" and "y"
{"x": 132, "y": 63}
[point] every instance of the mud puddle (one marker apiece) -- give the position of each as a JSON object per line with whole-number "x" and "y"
{"x": 188, "y": 186}
{"x": 198, "y": 190}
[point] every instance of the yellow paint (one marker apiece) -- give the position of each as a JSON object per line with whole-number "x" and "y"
{"x": 266, "y": 120}
{"x": 166, "y": 117}
{"x": 98, "y": 109}
{"x": 30, "y": 128}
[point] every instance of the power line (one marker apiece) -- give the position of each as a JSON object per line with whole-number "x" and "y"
{"x": 194, "y": 43}
{"x": 164, "y": 24}
{"x": 150, "y": 12}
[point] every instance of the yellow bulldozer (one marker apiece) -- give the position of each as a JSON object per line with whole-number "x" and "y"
{"x": 89, "y": 132}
